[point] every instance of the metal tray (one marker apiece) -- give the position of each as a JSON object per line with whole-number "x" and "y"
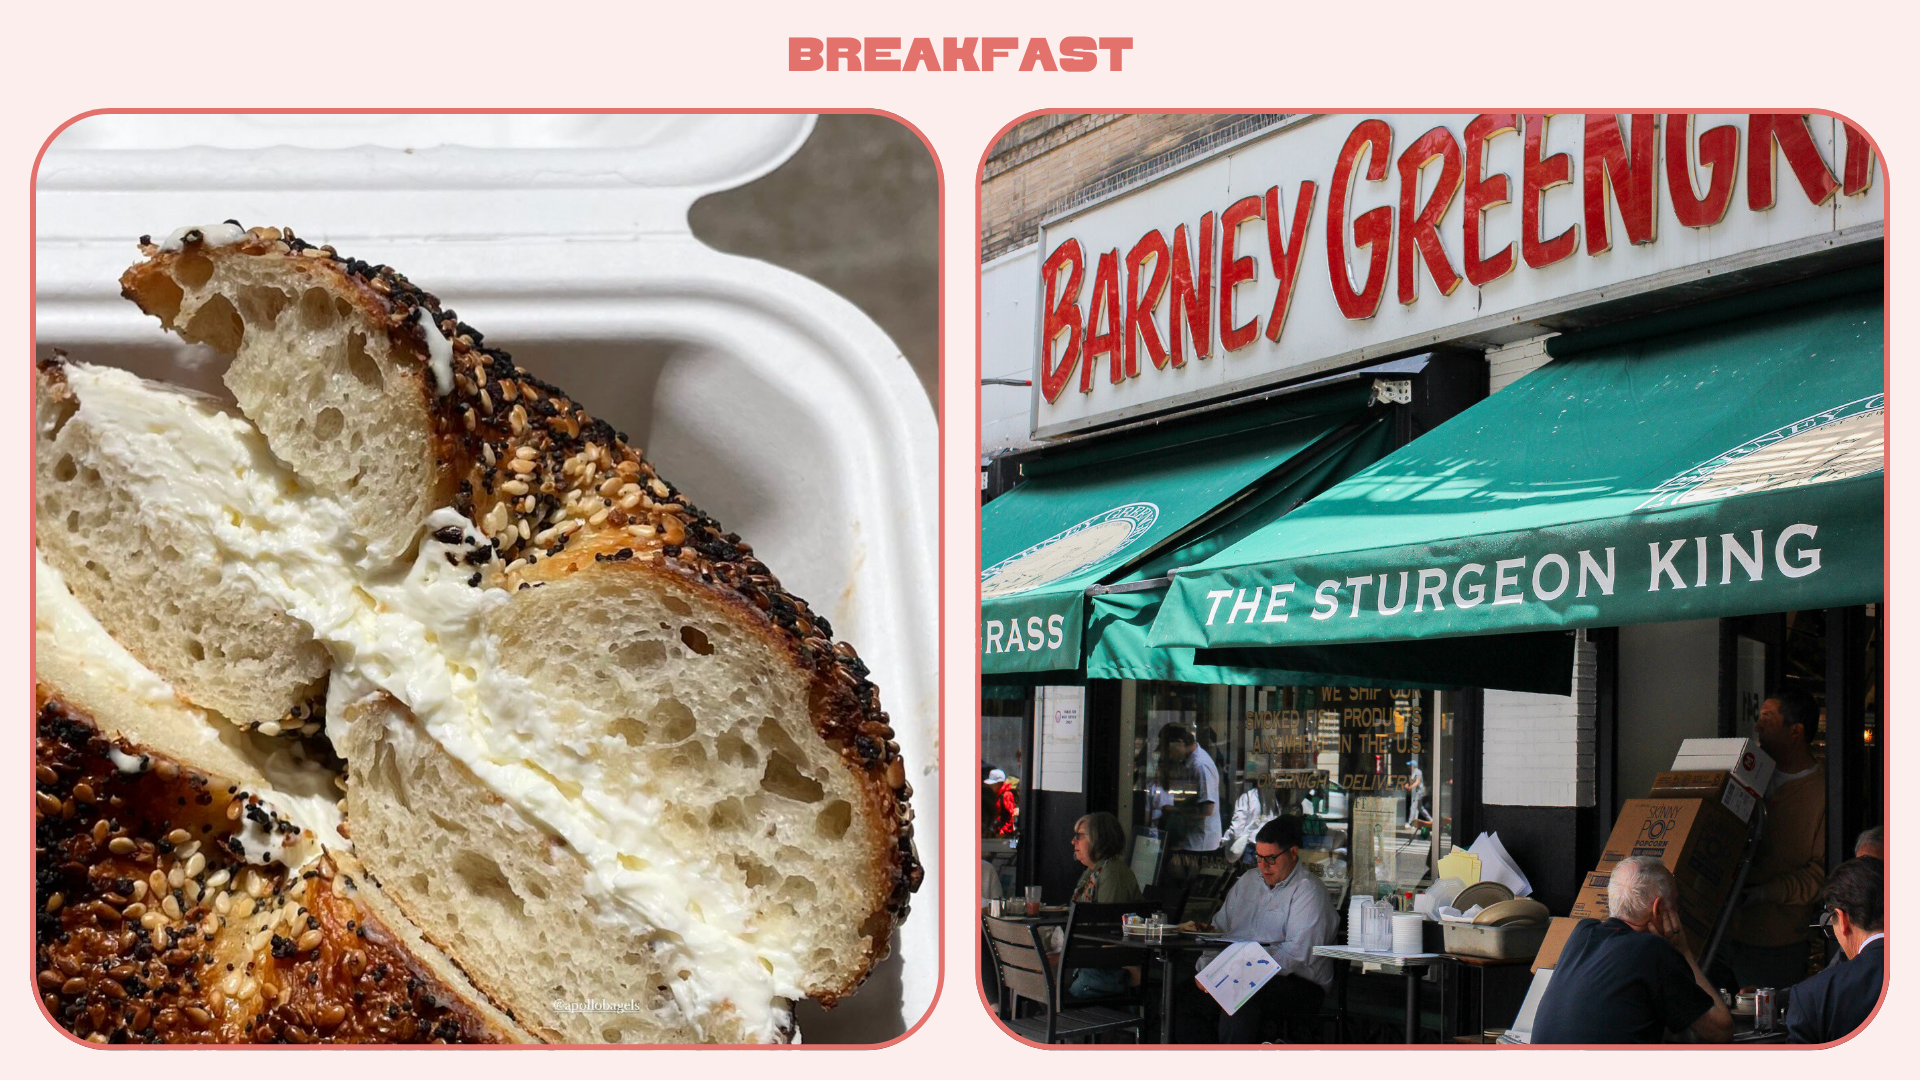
{"x": 1494, "y": 942}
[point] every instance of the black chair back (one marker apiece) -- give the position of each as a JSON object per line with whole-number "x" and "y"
{"x": 1024, "y": 971}
{"x": 1169, "y": 899}
{"x": 1083, "y": 918}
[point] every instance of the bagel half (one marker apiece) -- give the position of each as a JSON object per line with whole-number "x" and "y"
{"x": 594, "y": 751}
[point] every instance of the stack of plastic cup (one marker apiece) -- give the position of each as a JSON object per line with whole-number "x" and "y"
{"x": 1407, "y": 928}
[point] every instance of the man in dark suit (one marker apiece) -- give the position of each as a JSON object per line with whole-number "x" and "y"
{"x": 1832, "y": 1004}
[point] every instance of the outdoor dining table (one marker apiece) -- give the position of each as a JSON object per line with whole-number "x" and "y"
{"x": 1387, "y": 963}
{"x": 1169, "y": 949}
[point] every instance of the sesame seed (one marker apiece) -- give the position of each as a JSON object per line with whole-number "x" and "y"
{"x": 176, "y": 877}
{"x": 120, "y": 845}
{"x": 270, "y": 728}
{"x": 100, "y": 831}
{"x": 514, "y": 487}
{"x": 171, "y": 906}
{"x": 140, "y": 889}
{"x": 309, "y": 941}
{"x": 179, "y": 836}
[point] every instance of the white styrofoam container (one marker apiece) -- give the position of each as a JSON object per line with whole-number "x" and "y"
{"x": 1742, "y": 757}
{"x": 777, "y": 405}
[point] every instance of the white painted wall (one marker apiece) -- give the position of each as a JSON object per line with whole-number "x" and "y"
{"x": 1008, "y": 288}
{"x": 1537, "y": 749}
{"x": 1669, "y": 691}
{"x": 1508, "y": 362}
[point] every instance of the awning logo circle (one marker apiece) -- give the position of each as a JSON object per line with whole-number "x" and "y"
{"x": 1835, "y": 444}
{"x": 1071, "y": 551}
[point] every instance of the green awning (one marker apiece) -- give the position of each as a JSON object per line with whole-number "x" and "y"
{"x": 1119, "y": 621}
{"x": 1729, "y": 469}
{"x": 1088, "y": 515}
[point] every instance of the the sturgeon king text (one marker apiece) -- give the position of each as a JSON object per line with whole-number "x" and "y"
{"x": 1681, "y": 563}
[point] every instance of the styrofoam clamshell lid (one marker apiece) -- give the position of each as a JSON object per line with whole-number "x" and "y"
{"x": 777, "y": 405}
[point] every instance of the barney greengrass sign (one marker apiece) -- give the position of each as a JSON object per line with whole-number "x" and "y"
{"x": 1340, "y": 238}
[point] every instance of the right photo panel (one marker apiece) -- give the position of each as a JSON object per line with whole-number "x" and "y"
{"x": 1432, "y": 578}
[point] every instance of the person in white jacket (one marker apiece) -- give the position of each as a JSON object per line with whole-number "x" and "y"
{"x": 1255, "y": 807}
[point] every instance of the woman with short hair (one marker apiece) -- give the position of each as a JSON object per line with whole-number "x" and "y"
{"x": 1098, "y": 842}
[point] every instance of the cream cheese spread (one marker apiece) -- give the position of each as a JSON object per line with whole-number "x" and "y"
{"x": 294, "y": 788}
{"x": 219, "y": 235}
{"x": 418, "y": 632}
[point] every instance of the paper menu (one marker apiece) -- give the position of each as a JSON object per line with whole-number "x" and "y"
{"x": 1237, "y": 974}
{"x": 1497, "y": 865}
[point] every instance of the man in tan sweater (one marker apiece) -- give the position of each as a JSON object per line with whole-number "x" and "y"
{"x": 1768, "y": 942}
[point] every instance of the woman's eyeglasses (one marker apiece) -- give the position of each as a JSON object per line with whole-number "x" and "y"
{"x": 1079, "y": 835}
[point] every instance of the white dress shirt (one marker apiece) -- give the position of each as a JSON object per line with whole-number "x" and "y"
{"x": 1289, "y": 919}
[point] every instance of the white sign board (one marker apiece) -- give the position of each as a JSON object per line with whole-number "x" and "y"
{"x": 1339, "y": 239}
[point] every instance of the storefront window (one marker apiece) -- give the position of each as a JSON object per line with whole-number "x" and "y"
{"x": 1363, "y": 768}
{"x": 1003, "y": 777}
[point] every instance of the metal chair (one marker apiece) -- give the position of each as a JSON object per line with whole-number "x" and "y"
{"x": 1026, "y": 973}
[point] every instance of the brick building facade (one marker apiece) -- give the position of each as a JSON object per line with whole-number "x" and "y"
{"x": 1045, "y": 165}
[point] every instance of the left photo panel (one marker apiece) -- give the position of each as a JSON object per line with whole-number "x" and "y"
{"x": 471, "y": 553}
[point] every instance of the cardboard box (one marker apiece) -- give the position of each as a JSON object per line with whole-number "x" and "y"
{"x": 1742, "y": 757}
{"x": 1716, "y": 785}
{"x": 1698, "y": 839}
{"x": 1558, "y": 930}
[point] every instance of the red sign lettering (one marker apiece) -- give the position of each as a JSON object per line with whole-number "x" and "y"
{"x": 1719, "y": 151}
{"x": 1062, "y": 308}
{"x": 1141, "y": 305}
{"x": 1234, "y": 271}
{"x": 1537, "y": 175}
{"x": 1483, "y": 194}
{"x": 1192, "y": 300}
{"x": 1634, "y": 179}
{"x": 1372, "y": 230}
{"x": 1421, "y": 232}
{"x": 1285, "y": 255}
{"x": 1789, "y": 130}
{"x": 1104, "y": 304}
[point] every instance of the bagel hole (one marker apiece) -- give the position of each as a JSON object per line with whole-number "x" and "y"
{"x": 674, "y": 720}
{"x": 693, "y": 639}
{"x": 361, "y": 363}
{"x": 785, "y": 779}
{"x": 834, "y": 819}
{"x": 193, "y": 270}
{"x": 262, "y": 304}
{"x": 217, "y": 325}
{"x": 316, "y": 311}
{"x": 328, "y": 424}
{"x": 633, "y": 731}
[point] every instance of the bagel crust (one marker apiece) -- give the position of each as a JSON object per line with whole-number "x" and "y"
{"x": 121, "y": 961}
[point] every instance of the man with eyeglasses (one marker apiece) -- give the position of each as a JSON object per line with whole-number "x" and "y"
{"x": 1285, "y": 908}
{"x": 1832, "y": 1004}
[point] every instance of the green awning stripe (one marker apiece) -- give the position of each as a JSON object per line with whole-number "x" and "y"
{"x": 1047, "y": 540}
{"x": 1731, "y": 469}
